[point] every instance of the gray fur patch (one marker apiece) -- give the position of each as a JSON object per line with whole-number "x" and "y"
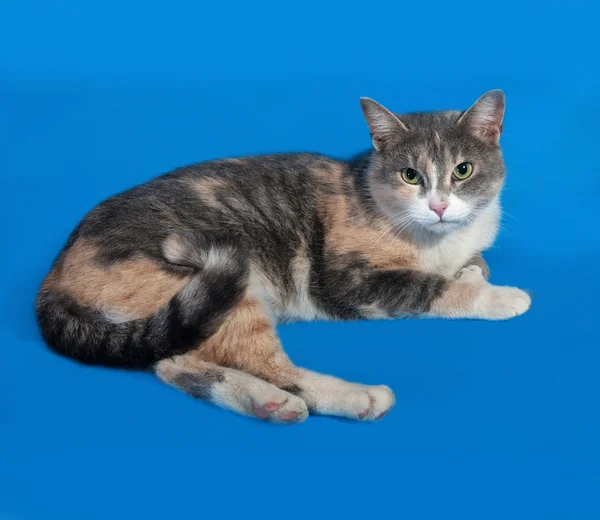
{"x": 198, "y": 385}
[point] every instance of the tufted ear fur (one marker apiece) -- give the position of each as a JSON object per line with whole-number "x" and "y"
{"x": 385, "y": 128}
{"x": 484, "y": 118}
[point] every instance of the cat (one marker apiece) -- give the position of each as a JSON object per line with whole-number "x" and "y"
{"x": 187, "y": 275}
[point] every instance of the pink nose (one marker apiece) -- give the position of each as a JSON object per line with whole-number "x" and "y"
{"x": 438, "y": 208}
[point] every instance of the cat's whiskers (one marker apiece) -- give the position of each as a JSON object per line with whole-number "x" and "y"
{"x": 504, "y": 229}
{"x": 402, "y": 223}
{"x": 405, "y": 226}
{"x": 399, "y": 222}
{"x": 395, "y": 220}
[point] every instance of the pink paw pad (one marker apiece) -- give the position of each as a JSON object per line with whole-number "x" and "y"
{"x": 362, "y": 414}
{"x": 271, "y": 407}
{"x": 259, "y": 411}
{"x": 289, "y": 416}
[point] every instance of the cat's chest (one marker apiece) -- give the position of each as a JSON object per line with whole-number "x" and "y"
{"x": 448, "y": 256}
{"x": 451, "y": 252}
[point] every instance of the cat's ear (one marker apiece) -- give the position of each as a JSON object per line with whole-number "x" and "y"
{"x": 484, "y": 118}
{"x": 384, "y": 126}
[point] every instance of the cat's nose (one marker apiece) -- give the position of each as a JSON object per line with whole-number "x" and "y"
{"x": 438, "y": 208}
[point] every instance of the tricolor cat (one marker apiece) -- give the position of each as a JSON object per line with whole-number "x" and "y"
{"x": 187, "y": 275}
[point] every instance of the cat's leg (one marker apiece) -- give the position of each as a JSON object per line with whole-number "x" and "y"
{"x": 328, "y": 395}
{"x": 248, "y": 342}
{"x": 365, "y": 292}
{"x": 231, "y": 389}
{"x": 471, "y": 296}
{"x": 478, "y": 263}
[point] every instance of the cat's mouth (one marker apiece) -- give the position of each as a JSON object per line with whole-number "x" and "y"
{"x": 443, "y": 222}
{"x": 442, "y": 226}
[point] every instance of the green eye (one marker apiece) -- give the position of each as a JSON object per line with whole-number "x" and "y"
{"x": 463, "y": 171}
{"x": 411, "y": 176}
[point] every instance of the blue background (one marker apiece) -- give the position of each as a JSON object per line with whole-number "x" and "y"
{"x": 493, "y": 420}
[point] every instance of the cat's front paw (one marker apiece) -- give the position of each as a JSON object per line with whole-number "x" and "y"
{"x": 502, "y": 303}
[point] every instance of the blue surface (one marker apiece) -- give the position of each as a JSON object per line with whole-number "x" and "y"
{"x": 493, "y": 420}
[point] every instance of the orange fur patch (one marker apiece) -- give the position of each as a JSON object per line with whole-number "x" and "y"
{"x": 134, "y": 288}
{"x": 206, "y": 189}
{"x": 346, "y": 234}
{"x": 246, "y": 341}
{"x": 378, "y": 244}
{"x": 456, "y": 301}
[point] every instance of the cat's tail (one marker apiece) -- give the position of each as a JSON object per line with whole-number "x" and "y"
{"x": 191, "y": 316}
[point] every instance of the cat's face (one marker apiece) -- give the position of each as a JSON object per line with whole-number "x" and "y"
{"x": 436, "y": 171}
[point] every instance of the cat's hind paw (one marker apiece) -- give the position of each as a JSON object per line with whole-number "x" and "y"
{"x": 381, "y": 401}
{"x": 281, "y": 408}
{"x": 368, "y": 403}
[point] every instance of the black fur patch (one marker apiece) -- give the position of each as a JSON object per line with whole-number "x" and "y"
{"x": 292, "y": 389}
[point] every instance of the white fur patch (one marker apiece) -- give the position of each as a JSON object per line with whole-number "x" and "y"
{"x": 333, "y": 396}
{"x": 446, "y": 254}
{"x": 174, "y": 250}
{"x": 301, "y": 307}
{"x": 219, "y": 259}
{"x": 263, "y": 289}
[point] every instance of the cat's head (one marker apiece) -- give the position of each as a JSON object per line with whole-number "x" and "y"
{"x": 436, "y": 170}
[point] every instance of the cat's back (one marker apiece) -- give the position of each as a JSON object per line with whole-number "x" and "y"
{"x": 279, "y": 176}
{"x": 258, "y": 197}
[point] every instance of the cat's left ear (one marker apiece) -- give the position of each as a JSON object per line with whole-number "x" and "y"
{"x": 484, "y": 118}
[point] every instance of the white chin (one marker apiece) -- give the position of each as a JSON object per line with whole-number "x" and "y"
{"x": 442, "y": 227}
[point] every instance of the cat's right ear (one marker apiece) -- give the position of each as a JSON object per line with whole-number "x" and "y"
{"x": 385, "y": 128}
{"x": 484, "y": 118}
